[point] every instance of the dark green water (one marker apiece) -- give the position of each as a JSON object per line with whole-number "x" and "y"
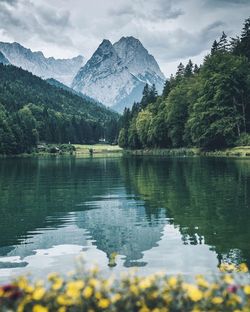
{"x": 175, "y": 214}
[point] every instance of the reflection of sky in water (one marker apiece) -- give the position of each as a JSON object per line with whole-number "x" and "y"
{"x": 113, "y": 224}
{"x": 176, "y": 215}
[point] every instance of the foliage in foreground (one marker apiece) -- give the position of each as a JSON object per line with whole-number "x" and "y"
{"x": 90, "y": 291}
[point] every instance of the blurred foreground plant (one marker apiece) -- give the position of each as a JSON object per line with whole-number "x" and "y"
{"x": 88, "y": 290}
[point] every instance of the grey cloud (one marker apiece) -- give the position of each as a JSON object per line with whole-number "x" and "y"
{"x": 11, "y": 2}
{"x": 151, "y": 10}
{"x": 223, "y": 3}
{"x": 28, "y": 20}
{"x": 181, "y": 44}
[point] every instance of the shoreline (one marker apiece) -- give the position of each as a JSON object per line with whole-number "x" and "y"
{"x": 240, "y": 151}
{"x": 100, "y": 150}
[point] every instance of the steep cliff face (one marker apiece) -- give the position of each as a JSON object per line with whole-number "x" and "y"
{"x": 3, "y": 59}
{"x": 116, "y": 74}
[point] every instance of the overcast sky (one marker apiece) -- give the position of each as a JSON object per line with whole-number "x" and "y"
{"x": 171, "y": 30}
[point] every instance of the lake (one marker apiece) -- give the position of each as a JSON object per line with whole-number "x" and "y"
{"x": 181, "y": 215}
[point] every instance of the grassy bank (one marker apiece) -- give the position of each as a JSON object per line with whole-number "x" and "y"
{"x": 240, "y": 151}
{"x": 79, "y": 150}
{"x": 96, "y": 149}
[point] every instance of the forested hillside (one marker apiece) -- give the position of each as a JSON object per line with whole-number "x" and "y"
{"x": 206, "y": 106}
{"x": 32, "y": 110}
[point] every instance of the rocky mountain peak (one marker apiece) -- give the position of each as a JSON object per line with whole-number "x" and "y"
{"x": 116, "y": 74}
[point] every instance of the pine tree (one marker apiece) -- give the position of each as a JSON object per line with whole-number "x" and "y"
{"x": 153, "y": 94}
{"x": 214, "y": 48}
{"x": 180, "y": 71}
{"x": 223, "y": 43}
{"x": 145, "y": 96}
{"x": 189, "y": 69}
{"x": 245, "y": 39}
{"x": 166, "y": 89}
{"x": 196, "y": 69}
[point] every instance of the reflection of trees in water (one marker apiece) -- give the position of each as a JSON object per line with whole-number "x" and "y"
{"x": 207, "y": 199}
{"x": 56, "y": 187}
{"x": 33, "y": 189}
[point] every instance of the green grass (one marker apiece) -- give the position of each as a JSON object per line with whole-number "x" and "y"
{"x": 97, "y": 149}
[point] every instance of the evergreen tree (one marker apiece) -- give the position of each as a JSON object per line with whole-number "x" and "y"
{"x": 166, "y": 89}
{"x": 152, "y": 94}
{"x": 180, "y": 71}
{"x": 245, "y": 39}
{"x": 145, "y": 96}
{"x": 196, "y": 69}
{"x": 189, "y": 69}
{"x": 223, "y": 45}
{"x": 214, "y": 48}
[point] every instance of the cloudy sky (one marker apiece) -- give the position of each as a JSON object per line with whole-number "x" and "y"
{"x": 172, "y": 30}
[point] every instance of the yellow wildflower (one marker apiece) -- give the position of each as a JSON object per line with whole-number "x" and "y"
{"x": 64, "y": 300}
{"x": 52, "y": 276}
{"x": 243, "y": 268}
{"x": 87, "y": 292}
{"x": 202, "y": 282}
{"x": 228, "y": 279}
{"x": 134, "y": 290}
{"x": 236, "y": 298}
{"x": 94, "y": 282}
{"x": 98, "y": 295}
{"x": 58, "y": 283}
{"x": 38, "y": 293}
{"x": 24, "y": 285}
{"x": 194, "y": 293}
{"x": 74, "y": 288}
{"x": 144, "y": 309}
{"x": 172, "y": 282}
{"x": 39, "y": 308}
{"x": 217, "y": 300}
{"x": 104, "y": 303}
{"x": 62, "y": 309}
{"x": 145, "y": 283}
{"x": 247, "y": 289}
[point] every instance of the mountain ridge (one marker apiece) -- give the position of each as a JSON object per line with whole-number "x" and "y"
{"x": 35, "y": 62}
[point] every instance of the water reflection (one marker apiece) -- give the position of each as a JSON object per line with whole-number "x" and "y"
{"x": 184, "y": 214}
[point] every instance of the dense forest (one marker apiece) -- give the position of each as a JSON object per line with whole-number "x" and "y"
{"x": 32, "y": 111}
{"x": 206, "y": 106}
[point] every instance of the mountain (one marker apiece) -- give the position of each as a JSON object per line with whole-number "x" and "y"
{"x": 62, "y": 70}
{"x": 33, "y": 110}
{"x": 3, "y": 59}
{"x": 140, "y": 63}
{"x": 62, "y": 86}
{"x": 116, "y": 74}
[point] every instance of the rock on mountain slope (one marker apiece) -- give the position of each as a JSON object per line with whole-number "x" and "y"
{"x": 3, "y": 59}
{"x": 116, "y": 74}
{"x": 62, "y": 70}
{"x": 139, "y": 62}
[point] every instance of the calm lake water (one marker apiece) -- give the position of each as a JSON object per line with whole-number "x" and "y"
{"x": 175, "y": 214}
